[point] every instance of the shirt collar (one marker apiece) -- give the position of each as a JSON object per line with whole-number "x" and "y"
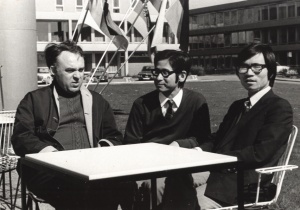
{"x": 177, "y": 99}
{"x": 257, "y": 96}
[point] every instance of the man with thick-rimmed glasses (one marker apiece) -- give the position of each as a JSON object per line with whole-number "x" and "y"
{"x": 255, "y": 129}
{"x": 171, "y": 115}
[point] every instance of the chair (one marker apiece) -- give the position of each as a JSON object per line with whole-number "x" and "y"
{"x": 279, "y": 173}
{"x": 8, "y": 159}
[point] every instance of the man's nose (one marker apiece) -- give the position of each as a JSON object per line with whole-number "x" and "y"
{"x": 160, "y": 76}
{"x": 76, "y": 74}
{"x": 250, "y": 72}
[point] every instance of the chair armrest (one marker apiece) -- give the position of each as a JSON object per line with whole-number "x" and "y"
{"x": 270, "y": 170}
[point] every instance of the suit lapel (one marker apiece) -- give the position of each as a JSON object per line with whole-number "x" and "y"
{"x": 233, "y": 131}
{"x": 87, "y": 101}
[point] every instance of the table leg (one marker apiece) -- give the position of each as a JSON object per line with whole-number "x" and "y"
{"x": 23, "y": 187}
{"x": 240, "y": 189}
{"x": 153, "y": 193}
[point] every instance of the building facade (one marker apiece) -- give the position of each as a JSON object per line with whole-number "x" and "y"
{"x": 219, "y": 32}
{"x": 57, "y": 19}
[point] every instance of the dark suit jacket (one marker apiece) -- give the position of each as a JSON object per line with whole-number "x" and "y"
{"x": 258, "y": 139}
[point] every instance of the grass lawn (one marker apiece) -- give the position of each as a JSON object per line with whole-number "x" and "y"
{"x": 219, "y": 96}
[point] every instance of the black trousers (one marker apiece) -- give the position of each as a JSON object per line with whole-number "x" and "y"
{"x": 64, "y": 194}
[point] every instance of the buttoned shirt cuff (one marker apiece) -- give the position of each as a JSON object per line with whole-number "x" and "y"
{"x": 105, "y": 143}
{"x": 48, "y": 149}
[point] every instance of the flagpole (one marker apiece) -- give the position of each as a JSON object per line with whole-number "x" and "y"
{"x": 127, "y": 59}
{"x": 128, "y": 12}
{"x": 2, "y": 99}
{"x": 106, "y": 68}
{"x": 86, "y": 12}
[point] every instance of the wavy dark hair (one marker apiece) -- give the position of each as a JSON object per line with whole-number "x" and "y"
{"x": 53, "y": 50}
{"x": 269, "y": 56}
{"x": 178, "y": 60}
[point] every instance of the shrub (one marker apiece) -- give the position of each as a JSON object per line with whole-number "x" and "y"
{"x": 197, "y": 70}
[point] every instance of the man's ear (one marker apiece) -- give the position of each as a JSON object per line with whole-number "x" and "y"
{"x": 52, "y": 70}
{"x": 182, "y": 76}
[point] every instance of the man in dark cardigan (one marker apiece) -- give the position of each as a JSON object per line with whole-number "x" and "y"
{"x": 66, "y": 116}
{"x": 171, "y": 115}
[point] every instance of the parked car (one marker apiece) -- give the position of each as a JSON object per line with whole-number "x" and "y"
{"x": 98, "y": 75}
{"x": 146, "y": 73}
{"x": 281, "y": 69}
{"x": 44, "y": 76}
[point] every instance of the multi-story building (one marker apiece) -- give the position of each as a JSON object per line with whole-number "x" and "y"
{"x": 57, "y": 19}
{"x": 218, "y": 33}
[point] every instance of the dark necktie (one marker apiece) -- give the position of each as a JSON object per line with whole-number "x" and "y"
{"x": 247, "y": 105}
{"x": 169, "y": 112}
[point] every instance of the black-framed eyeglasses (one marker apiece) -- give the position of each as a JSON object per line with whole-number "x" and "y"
{"x": 165, "y": 73}
{"x": 256, "y": 68}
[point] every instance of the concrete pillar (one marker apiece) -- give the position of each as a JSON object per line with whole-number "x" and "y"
{"x": 18, "y": 53}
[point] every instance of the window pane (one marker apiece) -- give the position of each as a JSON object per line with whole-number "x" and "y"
{"x": 242, "y": 38}
{"x": 234, "y": 18}
{"x": 214, "y": 41}
{"x": 226, "y": 18}
{"x": 292, "y": 34}
{"x": 234, "y": 39}
{"x": 291, "y": 11}
{"x": 298, "y": 8}
{"x": 282, "y": 11}
{"x": 206, "y": 20}
{"x": 200, "y": 21}
{"x": 220, "y": 21}
{"x": 256, "y": 36}
{"x": 220, "y": 40}
{"x": 42, "y": 31}
{"x": 116, "y": 3}
{"x": 193, "y": 23}
{"x": 227, "y": 61}
{"x": 265, "y": 13}
{"x": 256, "y": 14}
{"x": 265, "y": 37}
{"x": 212, "y": 19}
{"x": 99, "y": 37}
{"x": 227, "y": 40}
{"x": 59, "y": 31}
{"x": 273, "y": 36}
{"x": 201, "y": 42}
{"x": 249, "y": 37}
{"x": 59, "y": 2}
{"x": 241, "y": 17}
{"x": 207, "y": 41}
{"x": 282, "y": 36}
{"x": 250, "y": 16}
{"x": 79, "y": 2}
{"x": 273, "y": 12}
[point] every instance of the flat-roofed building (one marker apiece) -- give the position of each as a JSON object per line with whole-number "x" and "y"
{"x": 56, "y": 21}
{"x": 218, "y": 33}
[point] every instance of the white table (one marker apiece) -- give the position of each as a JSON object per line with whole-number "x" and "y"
{"x": 132, "y": 162}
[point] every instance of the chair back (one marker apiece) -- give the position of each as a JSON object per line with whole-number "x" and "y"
{"x": 283, "y": 161}
{"x": 7, "y": 120}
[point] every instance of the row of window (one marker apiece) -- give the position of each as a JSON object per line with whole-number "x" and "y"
{"x": 59, "y": 31}
{"x": 283, "y": 35}
{"x": 246, "y": 15}
{"x": 225, "y": 62}
{"x": 81, "y": 3}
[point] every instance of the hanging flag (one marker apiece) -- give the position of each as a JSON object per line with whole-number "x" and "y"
{"x": 91, "y": 15}
{"x": 156, "y": 4}
{"x": 178, "y": 18}
{"x": 158, "y": 32}
{"x": 111, "y": 29}
{"x": 138, "y": 15}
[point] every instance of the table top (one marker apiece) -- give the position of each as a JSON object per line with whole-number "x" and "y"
{"x": 126, "y": 160}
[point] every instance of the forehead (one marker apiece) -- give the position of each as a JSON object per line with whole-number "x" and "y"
{"x": 258, "y": 58}
{"x": 70, "y": 59}
{"x": 164, "y": 64}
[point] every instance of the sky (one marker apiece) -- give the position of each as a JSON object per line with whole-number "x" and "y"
{"x": 206, "y": 3}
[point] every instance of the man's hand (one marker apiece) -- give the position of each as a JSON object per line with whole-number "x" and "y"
{"x": 174, "y": 144}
